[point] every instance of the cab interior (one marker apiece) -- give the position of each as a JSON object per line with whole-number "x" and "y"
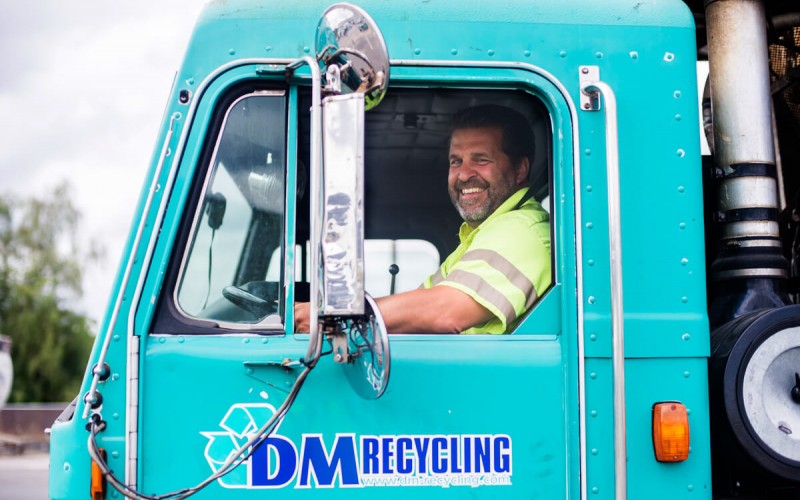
{"x": 227, "y": 268}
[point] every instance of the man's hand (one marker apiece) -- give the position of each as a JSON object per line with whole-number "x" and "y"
{"x": 302, "y": 311}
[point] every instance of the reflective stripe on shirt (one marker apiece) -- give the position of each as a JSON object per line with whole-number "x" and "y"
{"x": 486, "y": 291}
{"x": 504, "y": 266}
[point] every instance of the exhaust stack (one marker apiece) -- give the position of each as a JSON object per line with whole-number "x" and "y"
{"x": 750, "y": 271}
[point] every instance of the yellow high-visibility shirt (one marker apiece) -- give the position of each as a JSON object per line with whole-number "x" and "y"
{"x": 503, "y": 264}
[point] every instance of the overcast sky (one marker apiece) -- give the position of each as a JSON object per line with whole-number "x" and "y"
{"x": 83, "y": 86}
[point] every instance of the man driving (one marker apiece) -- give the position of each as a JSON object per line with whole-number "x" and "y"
{"x": 502, "y": 263}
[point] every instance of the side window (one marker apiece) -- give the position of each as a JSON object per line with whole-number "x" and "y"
{"x": 237, "y": 230}
{"x": 414, "y": 261}
{"x": 410, "y": 219}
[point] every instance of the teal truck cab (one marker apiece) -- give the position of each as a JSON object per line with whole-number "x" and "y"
{"x": 303, "y": 157}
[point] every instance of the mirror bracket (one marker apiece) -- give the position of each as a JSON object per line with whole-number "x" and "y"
{"x": 333, "y": 79}
{"x": 341, "y": 351}
{"x": 360, "y": 344}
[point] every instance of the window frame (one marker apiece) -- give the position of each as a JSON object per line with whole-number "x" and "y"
{"x": 549, "y": 301}
{"x": 170, "y": 318}
{"x": 524, "y": 80}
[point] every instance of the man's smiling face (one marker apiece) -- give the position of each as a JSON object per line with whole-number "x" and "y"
{"x": 481, "y": 175}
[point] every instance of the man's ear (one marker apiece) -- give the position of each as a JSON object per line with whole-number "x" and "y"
{"x": 522, "y": 170}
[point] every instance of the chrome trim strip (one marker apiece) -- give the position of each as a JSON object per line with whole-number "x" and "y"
{"x": 132, "y": 411}
{"x": 315, "y": 236}
{"x": 578, "y": 220}
{"x": 617, "y": 319}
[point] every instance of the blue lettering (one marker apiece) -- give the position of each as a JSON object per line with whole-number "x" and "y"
{"x": 421, "y": 444}
{"x": 315, "y": 461}
{"x": 439, "y": 464}
{"x": 453, "y": 457}
{"x": 387, "y": 448}
{"x": 276, "y": 462}
{"x": 482, "y": 454}
{"x": 369, "y": 455}
{"x": 264, "y": 473}
{"x": 502, "y": 454}
{"x": 404, "y": 464}
{"x": 466, "y": 454}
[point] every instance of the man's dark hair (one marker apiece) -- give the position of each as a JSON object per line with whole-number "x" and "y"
{"x": 518, "y": 140}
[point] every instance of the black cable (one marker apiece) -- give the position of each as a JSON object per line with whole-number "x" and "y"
{"x": 239, "y": 456}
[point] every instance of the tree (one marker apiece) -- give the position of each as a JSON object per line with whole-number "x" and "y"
{"x": 41, "y": 261}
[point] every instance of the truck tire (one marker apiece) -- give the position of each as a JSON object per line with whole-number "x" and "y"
{"x": 755, "y": 383}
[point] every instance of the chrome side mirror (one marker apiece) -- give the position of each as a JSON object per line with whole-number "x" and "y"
{"x": 352, "y": 50}
{"x": 352, "y": 47}
{"x": 353, "y": 54}
{"x": 343, "y": 205}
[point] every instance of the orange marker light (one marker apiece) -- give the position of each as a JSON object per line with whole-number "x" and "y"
{"x": 98, "y": 487}
{"x": 670, "y": 432}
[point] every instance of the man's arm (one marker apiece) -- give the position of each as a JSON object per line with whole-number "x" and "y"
{"x": 440, "y": 309}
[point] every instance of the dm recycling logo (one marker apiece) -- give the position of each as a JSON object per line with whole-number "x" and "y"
{"x": 351, "y": 461}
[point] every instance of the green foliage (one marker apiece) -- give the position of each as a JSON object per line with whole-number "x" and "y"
{"x": 41, "y": 260}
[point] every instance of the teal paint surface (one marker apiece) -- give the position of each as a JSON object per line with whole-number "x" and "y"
{"x": 649, "y": 381}
{"x": 466, "y": 401}
{"x": 525, "y": 386}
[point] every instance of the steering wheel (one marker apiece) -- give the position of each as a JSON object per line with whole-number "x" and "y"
{"x": 257, "y": 297}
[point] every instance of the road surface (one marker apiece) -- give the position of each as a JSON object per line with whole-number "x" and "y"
{"x": 24, "y": 477}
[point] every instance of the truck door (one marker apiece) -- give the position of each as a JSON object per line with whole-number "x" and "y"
{"x": 466, "y": 414}
{"x": 218, "y": 330}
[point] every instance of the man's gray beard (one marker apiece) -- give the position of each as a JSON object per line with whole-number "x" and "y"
{"x": 480, "y": 214}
